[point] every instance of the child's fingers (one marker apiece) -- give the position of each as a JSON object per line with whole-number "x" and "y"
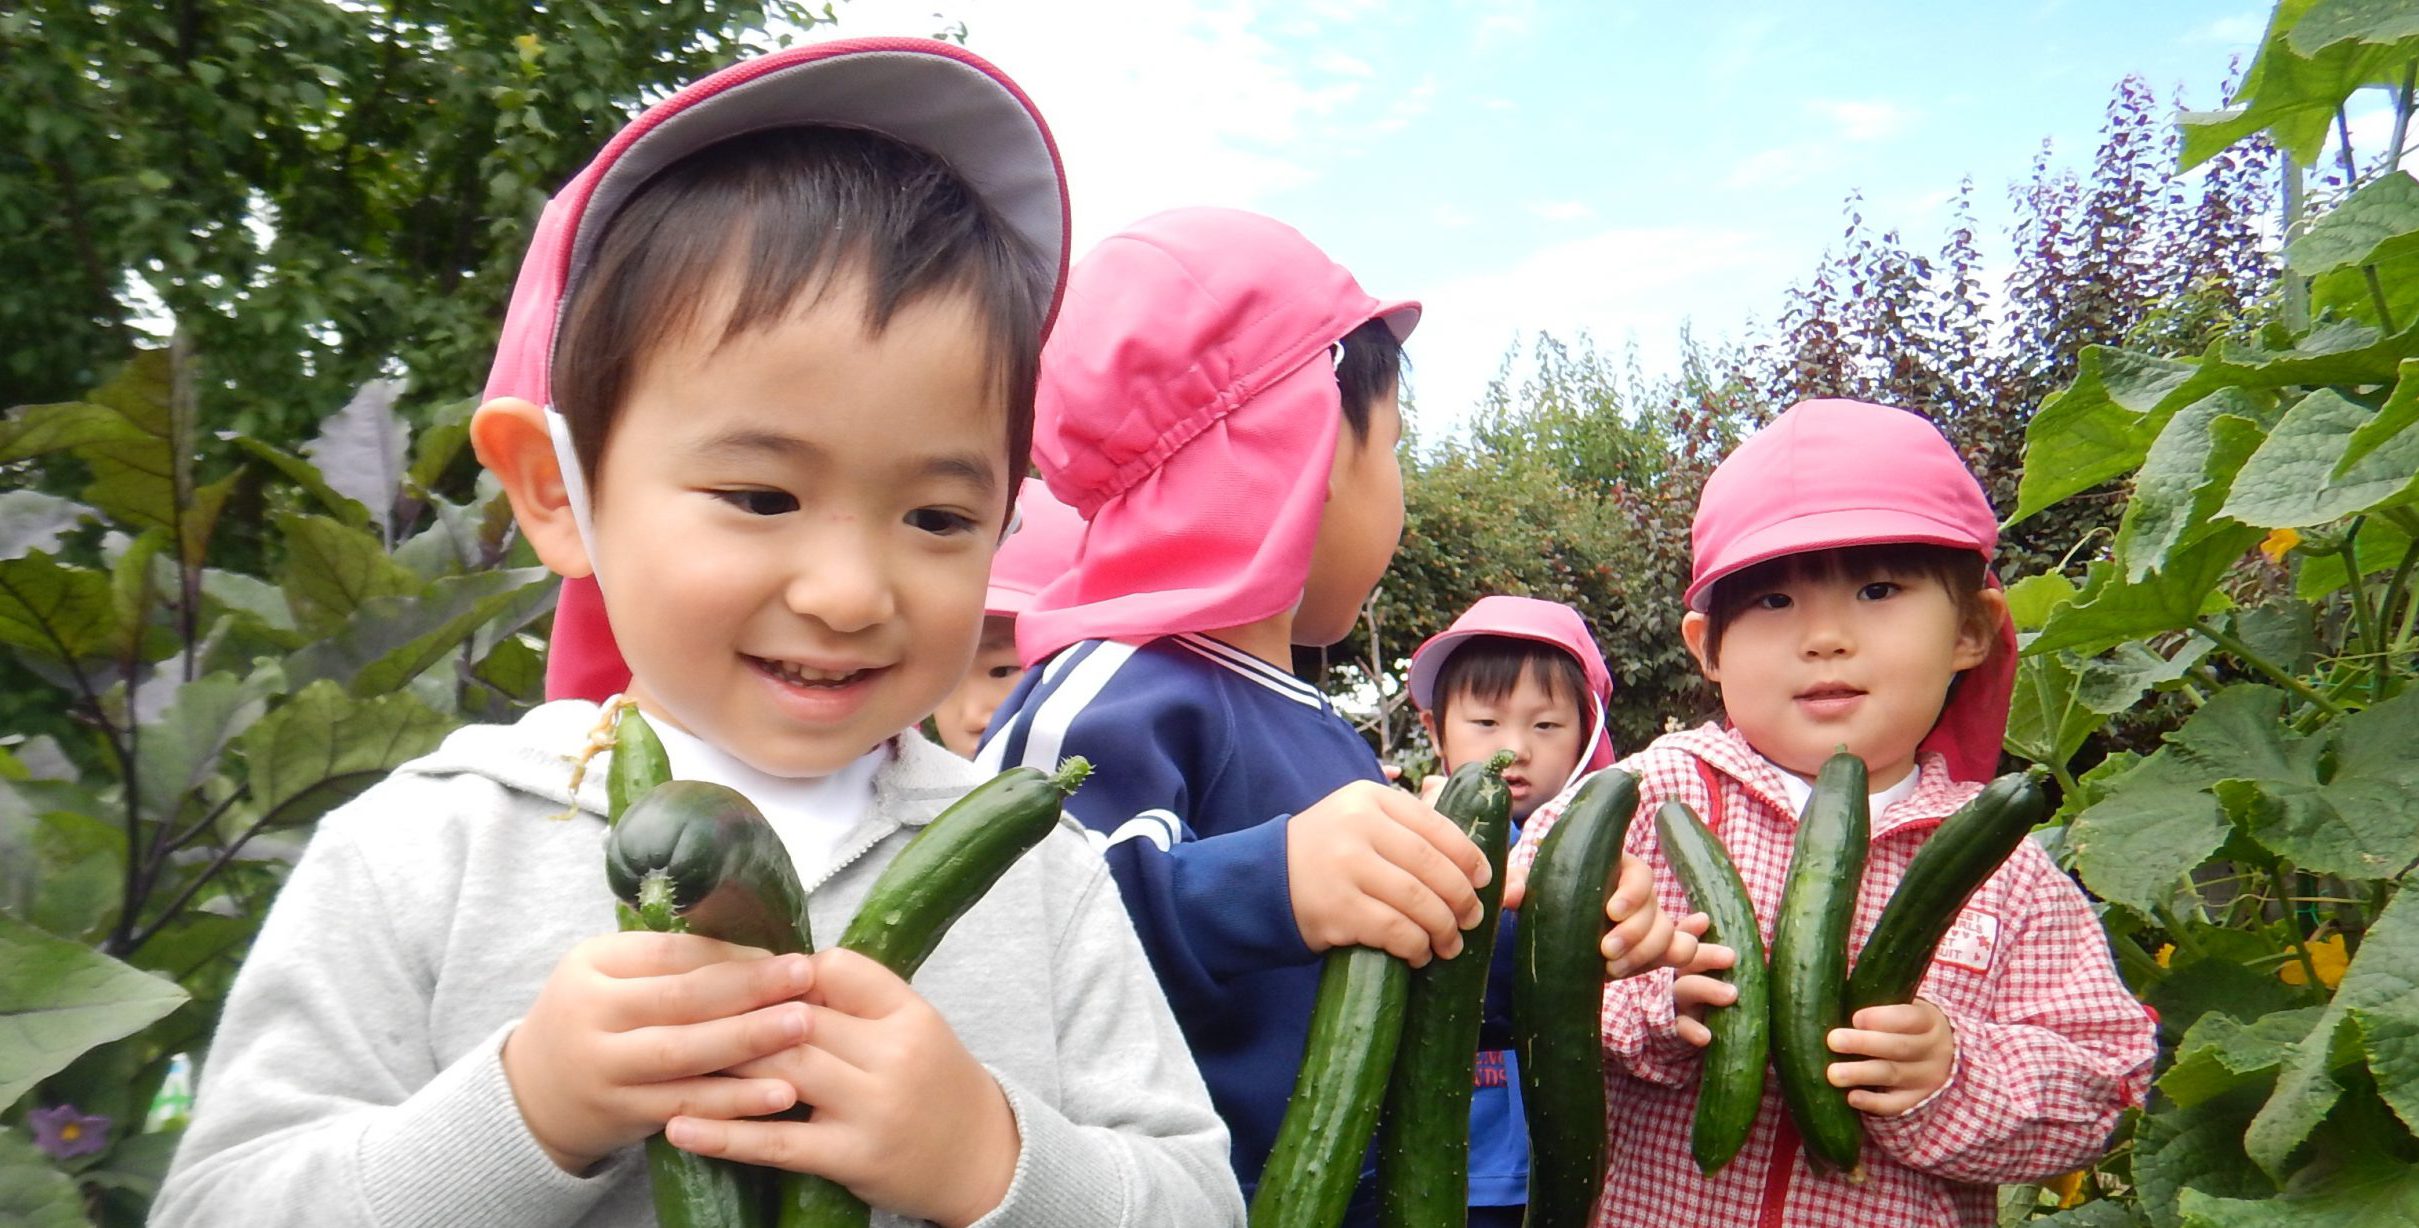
{"x": 1416, "y": 899}
{"x": 1884, "y": 1104}
{"x": 1906, "y": 1018}
{"x": 640, "y": 953}
{"x": 1440, "y": 834}
{"x": 1637, "y": 943}
{"x": 1693, "y": 1031}
{"x": 1699, "y": 991}
{"x": 1515, "y": 884}
{"x": 715, "y": 991}
{"x": 1633, "y": 888}
{"x": 1883, "y": 1074}
{"x": 714, "y": 1096}
{"x": 797, "y": 1146}
{"x": 679, "y": 1051}
{"x": 1438, "y": 877}
{"x": 1707, "y": 957}
{"x": 856, "y": 985}
{"x": 1895, "y": 1046}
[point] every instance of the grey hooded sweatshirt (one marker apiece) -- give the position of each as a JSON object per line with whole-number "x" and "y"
{"x": 356, "y": 1078}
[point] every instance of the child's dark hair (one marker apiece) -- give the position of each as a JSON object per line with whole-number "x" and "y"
{"x": 1372, "y": 366}
{"x": 1488, "y": 667}
{"x": 1962, "y": 572}
{"x": 781, "y": 216}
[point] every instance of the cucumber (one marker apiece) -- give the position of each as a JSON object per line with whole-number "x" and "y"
{"x": 658, "y": 854}
{"x": 1423, "y": 1147}
{"x": 1968, "y": 848}
{"x": 1810, "y": 961}
{"x": 1730, "y": 1085}
{"x": 1558, "y": 999}
{"x": 941, "y": 873}
{"x": 1355, "y": 1025}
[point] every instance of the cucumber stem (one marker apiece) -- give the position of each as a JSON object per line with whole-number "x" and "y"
{"x": 1072, "y": 772}
{"x": 1499, "y": 761}
{"x": 656, "y": 906}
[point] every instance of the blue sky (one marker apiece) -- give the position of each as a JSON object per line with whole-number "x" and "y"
{"x": 1618, "y": 169}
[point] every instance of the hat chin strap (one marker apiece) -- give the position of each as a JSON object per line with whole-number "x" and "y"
{"x": 575, "y": 485}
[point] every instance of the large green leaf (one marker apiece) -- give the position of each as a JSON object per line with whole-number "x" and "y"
{"x": 390, "y": 640}
{"x": 2108, "y": 611}
{"x": 2155, "y": 824}
{"x": 2198, "y": 1148}
{"x": 2031, "y": 599}
{"x": 2101, "y": 425}
{"x": 2222, "y": 1054}
{"x": 2393, "y": 421}
{"x": 182, "y": 749}
{"x": 333, "y": 569}
{"x": 2350, "y": 234}
{"x": 2373, "y": 1017}
{"x": 2369, "y": 1190}
{"x": 323, "y": 746}
{"x": 2357, "y": 816}
{"x": 54, "y": 611}
{"x": 60, "y": 998}
{"x": 33, "y": 1192}
{"x": 302, "y": 474}
{"x": 2375, "y": 22}
{"x": 31, "y": 520}
{"x": 143, "y": 476}
{"x": 2291, "y": 93}
{"x": 2186, "y": 475}
{"x": 363, "y": 449}
{"x": 2290, "y": 482}
{"x": 38, "y": 430}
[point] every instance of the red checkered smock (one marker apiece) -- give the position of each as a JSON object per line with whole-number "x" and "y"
{"x": 2050, "y": 1045}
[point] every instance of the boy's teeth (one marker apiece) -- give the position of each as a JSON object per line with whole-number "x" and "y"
{"x": 809, "y": 677}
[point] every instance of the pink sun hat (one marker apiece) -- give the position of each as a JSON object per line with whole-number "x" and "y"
{"x": 1831, "y": 474}
{"x": 1524, "y": 618}
{"x": 1188, "y": 411}
{"x": 940, "y": 98}
{"x": 1038, "y": 550}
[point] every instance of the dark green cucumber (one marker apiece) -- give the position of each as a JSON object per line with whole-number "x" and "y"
{"x": 1810, "y": 961}
{"x": 1423, "y": 1142}
{"x": 1730, "y": 1085}
{"x": 1355, "y": 1025}
{"x": 945, "y": 870}
{"x": 1558, "y": 999}
{"x": 1967, "y": 848}
{"x": 688, "y": 1190}
{"x": 701, "y": 853}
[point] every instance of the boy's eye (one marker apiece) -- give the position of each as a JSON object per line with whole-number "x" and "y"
{"x": 1771, "y": 601}
{"x": 759, "y": 502}
{"x": 1878, "y": 590}
{"x": 940, "y": 521}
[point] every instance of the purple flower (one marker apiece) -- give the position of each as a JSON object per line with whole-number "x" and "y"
{"x": 65, "y": 1132}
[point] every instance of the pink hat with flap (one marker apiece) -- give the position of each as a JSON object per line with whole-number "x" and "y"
{"x": 1524, "y": 618}
{"x": 1831, "y": 474}
{"x": 1038, "y": 549}
{"x": 1188, "y": 411}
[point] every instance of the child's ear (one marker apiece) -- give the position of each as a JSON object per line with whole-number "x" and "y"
{"x": 1427, "y": 722}
{"x": 511, "y": 439}
{"x": 1694, "y": 628}
{"x": 1980, "y": 634}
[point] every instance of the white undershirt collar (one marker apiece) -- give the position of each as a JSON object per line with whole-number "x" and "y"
{"x": 811, "y": 814}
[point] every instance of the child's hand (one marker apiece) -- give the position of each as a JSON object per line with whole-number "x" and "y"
{"x": 1692, "y": 992}
{"x": 904, "y": 1115}
{"x": 1911, "y": 1048}
{"x": 1643, "y": 935}
{"x": 629, "y": 1031}
{"x": 1375, "y": 867}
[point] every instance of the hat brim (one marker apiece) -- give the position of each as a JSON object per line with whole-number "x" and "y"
{"x": 1827, "y": 531}
{"x": 1401, "y": 316}
{"x": 1001, "y": 602}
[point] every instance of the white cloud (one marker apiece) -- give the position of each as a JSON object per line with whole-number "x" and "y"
{"x": 1502, "y": 21}
{"x": 1408, "y": 108}
{"x": 1846, "y": 122}
{"x": 1866, "y": 120}
{"x": 1562, "y": 210}
{"x": 1336, "y": 63}
{"x": 1779, "y": 166}
{"x": 1618, "y": 285}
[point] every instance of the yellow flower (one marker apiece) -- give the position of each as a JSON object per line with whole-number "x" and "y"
{"x": 2165, "y": 952}
{"x": 2326, "y": 956}
{"x": 2278, "y": 542}
{"x": 2068, "y": 1188}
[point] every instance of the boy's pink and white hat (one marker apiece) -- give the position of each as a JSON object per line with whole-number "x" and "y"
{"x": 941, "y": 98}
{"x": 1038, "y": 550}
{"x": 1831, "y": 474}
{"x": 1188, "y": 410}
{"x": 1524, "y": 618}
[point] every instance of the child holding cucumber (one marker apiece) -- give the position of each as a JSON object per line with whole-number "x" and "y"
{"x": 764, "y": 392}
{"x": 1038, "y": 550}
{"x": 1524, "y": 675}
{"x": 1219, "y": 402}
{"x": 1841, "y": 596}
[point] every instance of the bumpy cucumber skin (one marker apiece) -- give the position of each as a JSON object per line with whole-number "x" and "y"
{"x": 1356, "y": 1023}
{"x": 941, "y": 873}
{"x": 1966, "y": 849}
{"x": 730, "y": 876}
{"x": 688, "y": 1190}
{"x": 1558, "y": 999}
{"x": 1423, "y": 1150}
{"x": 1730, "y": 1085}
{"x": 1810, "y": 961}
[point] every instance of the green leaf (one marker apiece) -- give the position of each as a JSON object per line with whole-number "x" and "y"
{"x": 59, "y": 998}
{"x": 2186, "y": 475}
{"x": 143, "y": 475}
{"x": 2045, "y": 723}
{"x": 301, "y": 473}
{"x": 2031, "y": 599}
{"x": 362, "y": 449}
{"x": 2289, "y": 482}
{"x": 2373, "y": 1017}
{"x": 333, "y": 569}
{"x": 2376, "y": 22}
{"x": 2222, "y": 1054}
{"x": 390, "y": 640}
{"x": 38, "y": 430}
{"x": 2291, "y": 94}
{"x": 2199, "y": 1149}
{"x": 2350, "y": 234}
{"x": 516, "y": 669}
{"x": 2393, "y": 421}
{"x": 323, "y": 746}
{"x": 60, "y": 613}
{"x": 2154, "y": 825}
{"x": 2369, "y": 1191}
{"x": 2108, "y": 611}
{"x": 2380, "y": 547}
{"x": 2116, "y": 682}
{"x": 2101, "y": 425}
{"x": 33, "y": 1192}
{"x": 440, "y": 443}
{"x": 183, "y": 748}
{"x": 31, "y": 520}
{"x": 2356, "y": 820}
